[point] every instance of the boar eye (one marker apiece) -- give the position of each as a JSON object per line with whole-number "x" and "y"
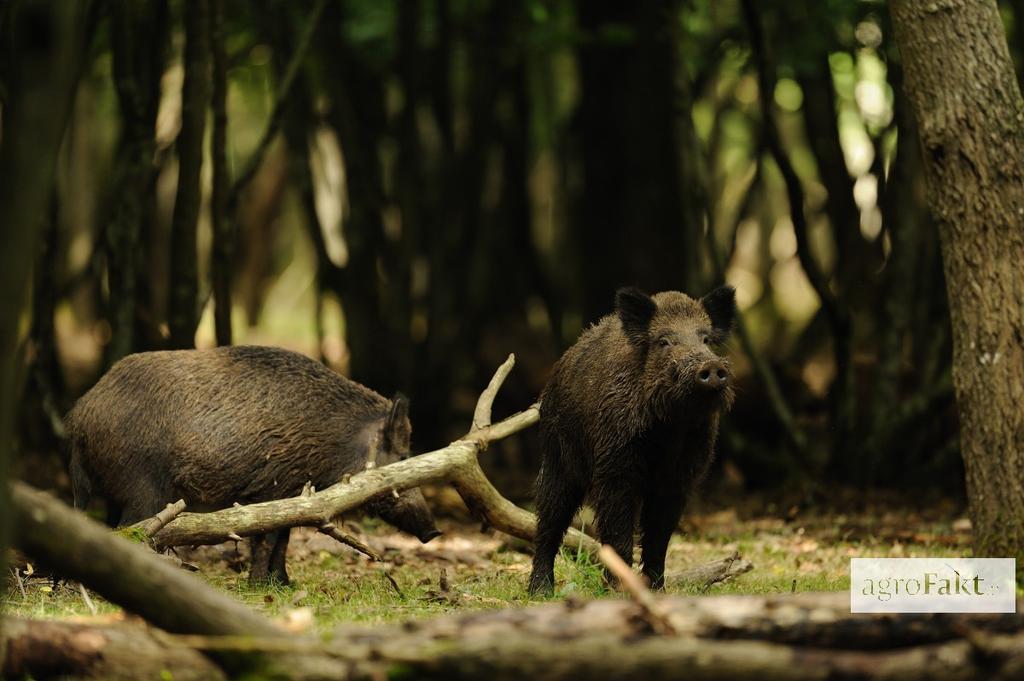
{"x": 665, "y": 342}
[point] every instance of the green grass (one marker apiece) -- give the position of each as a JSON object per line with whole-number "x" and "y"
{"x": 338, "y": 587}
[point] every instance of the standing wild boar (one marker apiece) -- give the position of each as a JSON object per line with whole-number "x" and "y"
{"x": 233, "y": 424}
{"x": 629, "y": 420}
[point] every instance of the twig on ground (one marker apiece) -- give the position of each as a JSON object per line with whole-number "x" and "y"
{"x": 634, "y": 585}
{"x": 85, "y": 597}
{"x": 394, "y": 584}
{"x": 334, "y": 533}
{"x": 21, "y": 584}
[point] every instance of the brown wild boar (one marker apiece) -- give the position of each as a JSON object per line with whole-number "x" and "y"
{"x": 629, "y": 419}
{"x": 233, "y": 424}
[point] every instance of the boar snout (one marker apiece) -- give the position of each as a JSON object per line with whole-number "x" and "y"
{"x": 714, "y": 375}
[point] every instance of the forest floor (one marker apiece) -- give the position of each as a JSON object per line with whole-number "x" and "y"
{"x": 466, "y": 568}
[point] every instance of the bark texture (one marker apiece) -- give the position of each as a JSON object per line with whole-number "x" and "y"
{"x": 223, "y": 234}
{"x": 40, "y": 85}
{"x": 803, "y": 636}
{"x": 960, "y": 82}
{"x": 142, "y": 582}
{"x": 139, "y": 35}
{"x": 183, "y": 312}
{"x": 41, "y": 649}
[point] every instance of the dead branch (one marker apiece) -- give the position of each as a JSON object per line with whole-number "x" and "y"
{"x": 457, "y": 463}
{"x": 153, "y": 525}
{"x": 484, "y": 405}
{"x": 332, "y": 531}
{"x": 85, "y": 597}
{"x": 132, "y": 576}
{"x": 707, "y": 575}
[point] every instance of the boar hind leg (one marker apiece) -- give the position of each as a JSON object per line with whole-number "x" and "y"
{"x": 268, "y": 558}
{"x": 278, "y": 555}
{"x": 558, "y": 499}
{"x": 260, "y": 546}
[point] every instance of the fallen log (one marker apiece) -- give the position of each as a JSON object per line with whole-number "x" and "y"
{"x": 118, "y": 651}
{"x": 131, "y": 575}
{"x": 800, "y": 636}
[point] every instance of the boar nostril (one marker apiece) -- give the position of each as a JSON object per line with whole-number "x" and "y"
{"x": 722, "y": 375}
{"x": 705, "y": 375}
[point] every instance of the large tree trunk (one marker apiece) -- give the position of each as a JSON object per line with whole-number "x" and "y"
{"x": 40, "y": 81}
{"x": 961, "y": 85}
{"x": 630, "y": 220}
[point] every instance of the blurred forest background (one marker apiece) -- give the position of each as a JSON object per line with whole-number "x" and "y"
{"x": 412, "y": 189}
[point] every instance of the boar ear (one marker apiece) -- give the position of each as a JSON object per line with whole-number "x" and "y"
{"x": 635, "y": 309}
{"x": 720, "y": 305}
{"x": 396, "y": 428}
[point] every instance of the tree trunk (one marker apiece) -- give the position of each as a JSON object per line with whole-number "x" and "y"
{"x": 40, "y": 81}
{"x": 223, "y": 232}
{"x": 961, "y": 85}
{"x": 629, "y": 217}
{"x": 138, "y": 36}
{"x": 183, "y": 312}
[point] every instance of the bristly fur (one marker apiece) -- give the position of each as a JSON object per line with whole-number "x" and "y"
{"x": 625, "y": 422}
{"x": 232, "y": 424}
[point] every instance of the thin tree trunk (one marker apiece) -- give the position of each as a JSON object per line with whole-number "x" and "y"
{"x": 903, "y": 220}
{"x": 834, "y": 308}
{"x": 41, "y": 409}
{"x": 962, "y": 88}
{"x": 139, "y": 34}
{"x": 183, "y": 313}
{"x": 223, "y": 234}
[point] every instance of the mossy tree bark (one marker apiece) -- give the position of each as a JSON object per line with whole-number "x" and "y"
{"x": 182, "y": 312}
{"x": 960, "y": 82}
